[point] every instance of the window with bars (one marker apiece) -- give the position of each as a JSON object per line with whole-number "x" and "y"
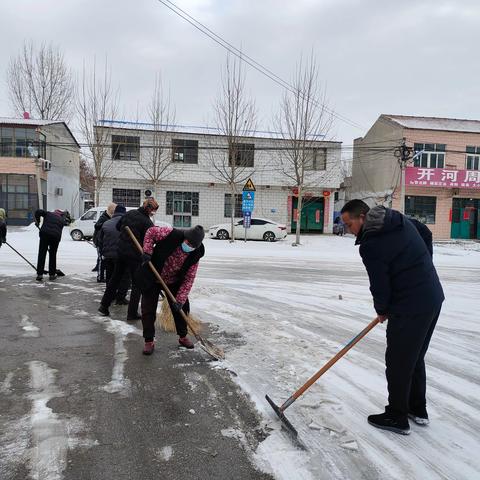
{"x": 184, "y": 151}
{"x": 243, "y": 153}
{"x": 227, "y": 211}
{"x": 183, "y": 206}
{"x": 126, "y": 197}
{"x": 125, "y": 147}
{"x": 421, "y": 208}
{"x": 316, "y": 159}
{"x": 433, "y": 155}
{"x": 473, "y": 158}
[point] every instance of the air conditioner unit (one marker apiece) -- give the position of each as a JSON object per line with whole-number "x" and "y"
{"x": 59, "y": 191}
{"x": 46, "y": 165}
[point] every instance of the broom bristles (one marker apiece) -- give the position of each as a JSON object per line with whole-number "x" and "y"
{"x": 165, "y": 320}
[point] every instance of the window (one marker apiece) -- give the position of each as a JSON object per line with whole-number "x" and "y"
{"x": 432, "y": 157}
{"x": 90, "y": 216}
{"x": 421, "y": 208}
{"x": 21, "y": 142}
{"x": 126, "y": 197}
{"x": 227, "y": 211}
{"x": 183, "y": 206}
{"x": 316, "y": 159}
{"x": 473, "y": 158}
{"x": 243, "y": 153}
{"x": 257, "y": 221}
{"x": 125, "y": 148}
{"x": 184, "y": 151}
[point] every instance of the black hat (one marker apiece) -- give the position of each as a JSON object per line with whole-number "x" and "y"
{"x": 195, "y": 236}
{"x": 120, "y": 209}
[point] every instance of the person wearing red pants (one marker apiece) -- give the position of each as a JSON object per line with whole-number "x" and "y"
{"x": 176, "y": 255}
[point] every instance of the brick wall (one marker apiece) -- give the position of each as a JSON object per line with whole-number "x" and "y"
{"x": 22, "y": 166}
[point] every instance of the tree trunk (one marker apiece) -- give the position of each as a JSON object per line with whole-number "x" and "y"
{"x": 299, "y": 215}
{"x": 232, "y": 213}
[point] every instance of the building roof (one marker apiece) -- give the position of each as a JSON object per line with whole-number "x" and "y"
{"x": 192, "y": 129}
{"x": 22, "y": 122}
{"x": 436, "y": 123}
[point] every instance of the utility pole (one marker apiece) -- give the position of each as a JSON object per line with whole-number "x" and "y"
{"x": 403, "y": 155}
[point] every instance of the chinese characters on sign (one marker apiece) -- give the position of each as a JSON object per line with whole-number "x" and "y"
{"x": 442, "y": 177}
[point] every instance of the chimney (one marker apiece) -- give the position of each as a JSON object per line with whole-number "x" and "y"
{"x": 26, "y": 116}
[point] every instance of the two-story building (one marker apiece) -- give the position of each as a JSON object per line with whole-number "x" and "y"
{"x": 442, "y": 177}
{"x": 192, "y": 190}
{"x": 39, "y": 167}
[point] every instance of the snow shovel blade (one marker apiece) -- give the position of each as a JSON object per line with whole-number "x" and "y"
{"x": 290, "y": 428}
{"x": 216, "y": 352}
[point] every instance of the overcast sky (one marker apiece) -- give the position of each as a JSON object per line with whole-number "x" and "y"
{"x": 416, "y": 57}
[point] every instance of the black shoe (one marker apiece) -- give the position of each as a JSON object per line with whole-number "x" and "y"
{"x": 103, "y": 311}
{"x": 134, "y": 318}
{"x": 386, "y": 421}
{"x": 121, "y": 301}
{"x": 52, "y": 277}
{"x": 95, "y": 269}
{"x": 101, "y": 280}
{"x": 39, "y": 278}
{"x": 420, "y": 417}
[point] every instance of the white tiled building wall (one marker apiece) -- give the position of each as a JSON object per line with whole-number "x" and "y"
{"x": 273, "y": 191}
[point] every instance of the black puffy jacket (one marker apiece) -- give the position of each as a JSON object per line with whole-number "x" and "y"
{"x": 139, "y": 222}
{"x": 104, "y": 217}
{"x": 3, "y": 231}
{"x": 107, "y": 239}
{"x": 53, "y": 223}
{"x": 402, "y": 277}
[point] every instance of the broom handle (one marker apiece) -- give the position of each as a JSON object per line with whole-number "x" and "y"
{"x": 159, "y": 278}
{"x": 329, "y": 364}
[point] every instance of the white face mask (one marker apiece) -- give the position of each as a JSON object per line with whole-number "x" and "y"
{"x": 187, "y": 248}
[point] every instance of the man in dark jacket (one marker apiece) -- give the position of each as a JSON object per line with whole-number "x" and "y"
{"x": 105, "y": 216}
{"x": 175, "y": 254}
{"x": 407, "y": 291}
{"x": 3, "y": 226}
{"x": 50, "y": 236}
{"x": 107, "y": 243}
{"x": 128, "y": 256}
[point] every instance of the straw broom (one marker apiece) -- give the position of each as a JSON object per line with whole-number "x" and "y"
{"x": 166, "y": 322}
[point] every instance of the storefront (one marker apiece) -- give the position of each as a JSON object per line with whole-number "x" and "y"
{"x": 448, "y": 201}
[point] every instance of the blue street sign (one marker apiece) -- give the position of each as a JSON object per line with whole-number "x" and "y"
{"x": 248, "y": 201}
{"x": 247, "y": 219}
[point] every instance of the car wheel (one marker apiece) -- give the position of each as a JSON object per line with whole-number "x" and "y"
{"x": 269, "y": 236}
{"x": 222, "y": 235}
{"x": 76, "y": 235}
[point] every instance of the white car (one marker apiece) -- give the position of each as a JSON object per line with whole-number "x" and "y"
{"x": 260, "y": 229}
{"x": 84, "y": 227}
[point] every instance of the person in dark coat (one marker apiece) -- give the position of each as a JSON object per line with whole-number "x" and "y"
{"x": 50, "y": 236}
{"x": 105, "y": 216}
{"x": 3, "y": 226}
{"x": 407, "y": 292}
{"x": 107, "y": 243}
{"x": 175, "y": 254}
{"x": 129, "y": 259}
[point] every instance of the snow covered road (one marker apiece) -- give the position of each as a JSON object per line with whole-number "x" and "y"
{"x": 282, "y": 312}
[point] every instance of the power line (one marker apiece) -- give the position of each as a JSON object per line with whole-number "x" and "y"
{"x": 247, "y": 59}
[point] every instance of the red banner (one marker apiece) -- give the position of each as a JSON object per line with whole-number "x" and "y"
{"x": 441, "y": 177}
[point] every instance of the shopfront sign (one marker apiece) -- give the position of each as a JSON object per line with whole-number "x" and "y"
{"x": 442, "y": 177}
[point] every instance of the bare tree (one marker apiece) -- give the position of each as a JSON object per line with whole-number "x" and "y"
{"x": 303, "y": 120}
{"x": 235, "y": 119}
{"x": 156, "y": 161}
{"x": 87, "y": 176}
{"x": 97, "y": 100}
{"x": 40, "y": 82}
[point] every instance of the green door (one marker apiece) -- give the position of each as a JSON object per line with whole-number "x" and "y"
{"x": 465, "y": 224}
{"x": 311, "y": 219}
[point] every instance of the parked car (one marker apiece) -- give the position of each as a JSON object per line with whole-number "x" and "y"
{"x": 83, "y": 228}
{"x": 260, "y": 229}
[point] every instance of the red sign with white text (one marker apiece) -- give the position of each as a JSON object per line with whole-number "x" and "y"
{"x": 441, "y": 177}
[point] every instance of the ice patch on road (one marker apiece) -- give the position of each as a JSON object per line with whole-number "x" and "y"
{"x": 166, "y": 453}
{"x": 31, "y": 330}
{"x": 6, "y": 385}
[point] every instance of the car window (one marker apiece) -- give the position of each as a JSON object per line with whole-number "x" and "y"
{"x": 90, "y": 215}
{"x": 240, "y": 223}
{"x": 256, "y": 221}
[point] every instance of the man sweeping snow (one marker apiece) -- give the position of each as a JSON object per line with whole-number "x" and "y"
{"x": 175, "y": 254}
{"x": 407, "y": 292}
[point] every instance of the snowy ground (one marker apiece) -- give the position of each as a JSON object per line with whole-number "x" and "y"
{"x": 285, "y": 304}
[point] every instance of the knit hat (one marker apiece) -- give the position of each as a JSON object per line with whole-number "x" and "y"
{"x": 120, "y": 209}
{"x": 2, "y": 214}
{"x": 195, "y": 236}
{"x": 150, "y": 204}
